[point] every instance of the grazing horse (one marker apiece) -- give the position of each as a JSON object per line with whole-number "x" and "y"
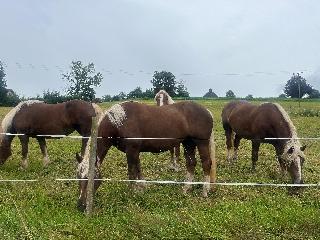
{"x": 135, "y": 127}
{"x": 163, "y": 98}
{"x": 33, "y": 118}
{"x": 242, "y": 119}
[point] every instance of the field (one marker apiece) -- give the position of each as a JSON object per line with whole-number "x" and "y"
{"x": 46, "y": 209}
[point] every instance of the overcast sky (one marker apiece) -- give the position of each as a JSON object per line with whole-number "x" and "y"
{"x": 250, "y": 47}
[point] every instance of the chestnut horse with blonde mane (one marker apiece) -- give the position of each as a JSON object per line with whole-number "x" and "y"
{"x": 34, "y": 118}
{"x": 163, "y": 98}
{"x": 266, "y": 123}
{"x": 135, "y": 127}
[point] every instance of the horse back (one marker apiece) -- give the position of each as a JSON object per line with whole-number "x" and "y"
{"x": 61, "y": 118}
{"x": 255, "y": 121}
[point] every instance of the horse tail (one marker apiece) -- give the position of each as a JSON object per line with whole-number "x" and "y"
{"x": 212, "y": 151}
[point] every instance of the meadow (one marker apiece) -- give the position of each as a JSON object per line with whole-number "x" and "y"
{"x": 46, "y": 209}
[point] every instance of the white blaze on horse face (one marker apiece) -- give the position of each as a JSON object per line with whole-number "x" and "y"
{"x": 160, "y": 100}
{"x": 7, "y": 121}
{"x": 116, "y": 115}
{"x": 293, "y": 157}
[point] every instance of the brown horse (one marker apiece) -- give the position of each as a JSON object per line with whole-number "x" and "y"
{"x": 135, "y": 127}
{"x": 242, "y": 119}
{"x": 33, "y": 118}
{"x": 163, "y": 98}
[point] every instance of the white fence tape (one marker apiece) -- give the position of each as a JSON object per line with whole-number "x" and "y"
{"x": 172, "y": 182}
{"x": 147, "y": 138}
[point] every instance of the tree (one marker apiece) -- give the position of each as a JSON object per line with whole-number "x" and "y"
{"x": 3, "y": 85}
{"x": 106, "y": 98}
{"x": 282, "y": 95}
{"x": 164, "y": 80}
{"x": 121, "y": 96}
{"x": 249, "y": 97}
{"x": 136, "y": 93}
{"x": 210, "y": 94}
{"x": 314, "y": 94}
{"x": 53, "y": 97}
{"x": 148, "y": 94}
{"x": 230, "y": 94}
{"x": 182, "y": 90}
{"x": 297, "y": 87}
{"x": 82, "y": 81}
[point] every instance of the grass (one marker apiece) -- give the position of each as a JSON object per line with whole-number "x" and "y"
{"x": 46, "y": 209}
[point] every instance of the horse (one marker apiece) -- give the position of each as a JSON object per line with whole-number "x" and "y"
{"x": 134, "y": 127}
{"x": 257, "y": 123}
{"x": 163, "y": 98}
{"x": 39, "y": 120}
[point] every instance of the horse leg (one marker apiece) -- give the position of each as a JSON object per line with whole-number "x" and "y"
{"x": 189, "y": 154}
{"x": 174, "y": 165}
{"x": 204, "y": 152}
{"x": 83, "y": 145}
{"x": 237, "y": 139}
{"x": 43, "y": 147}
{"x": 24, "y": 140}
{"x": 255, "y": 150}
{"x": 134, "y": 168}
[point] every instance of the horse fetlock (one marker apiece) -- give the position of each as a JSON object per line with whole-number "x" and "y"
{"x": 46, "y": 161}
{"x": 24, "y": 164}
{"x": 186, "y": 188}
{"x": 174, "y": 167}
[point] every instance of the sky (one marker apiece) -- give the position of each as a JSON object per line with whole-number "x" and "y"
{"x": 250, "y": 47}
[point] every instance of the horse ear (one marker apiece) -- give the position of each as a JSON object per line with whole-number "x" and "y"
{"x": 290, "y": 151}
{"x": 303, "y": 148}
{"x": 78, "y": 157}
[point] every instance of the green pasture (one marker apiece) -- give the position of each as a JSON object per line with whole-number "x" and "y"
{"x": 46, "y": 209}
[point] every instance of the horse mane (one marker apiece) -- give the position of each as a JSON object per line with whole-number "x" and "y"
{"x": 83, "y": 167}
{"x": 116, "y": 115}
{"x": 7, "y": 121}
{"x": 170, "y": 100}
{"x": 293, "y": 141}
{"x": 286, "y": 117}
{"x": 98, "y": 110}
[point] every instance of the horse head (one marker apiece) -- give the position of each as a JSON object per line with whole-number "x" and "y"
{"x": 5, "y": 147}
{"x": 293, "y": 159}
{"x": 163, "y": 98}
{"x": 82, "y": 175}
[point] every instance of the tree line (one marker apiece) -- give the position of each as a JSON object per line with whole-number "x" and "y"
{"x": 83, "y": 79}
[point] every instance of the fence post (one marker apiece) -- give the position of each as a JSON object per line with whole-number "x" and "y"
{"x": 92, "y": 162}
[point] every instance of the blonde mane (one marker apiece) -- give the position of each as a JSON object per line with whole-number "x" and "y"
{"x": 7, "y": 121}
{"x": 83, "y": 167}
{"x": 293, "y": 141}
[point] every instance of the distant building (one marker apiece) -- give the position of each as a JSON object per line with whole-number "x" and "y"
{"x": 210, "y": 94}
{"x": 10, "y": 92}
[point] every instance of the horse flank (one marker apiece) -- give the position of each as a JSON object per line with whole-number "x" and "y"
{"x": 7, "y": 121}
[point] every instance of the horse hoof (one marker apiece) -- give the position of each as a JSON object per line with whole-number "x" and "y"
{"x": 175, "y": 168}
{"x": 24, "y": 166}
{"x": 205, "y": 194}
